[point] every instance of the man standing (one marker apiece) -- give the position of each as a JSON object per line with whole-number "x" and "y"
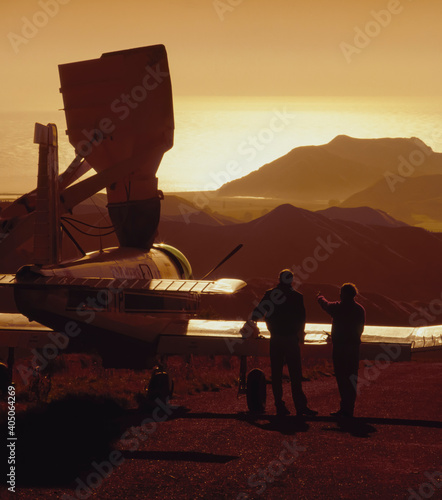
{"x": 347, "y": 327}
{"x": 283, "y": 309}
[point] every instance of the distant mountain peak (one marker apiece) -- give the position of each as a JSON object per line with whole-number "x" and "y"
{"x": 344, "y": 144}
{"x": 287, "y": 210}
{"x": 334, "y": 171}
{"x": 362, "y": 215}
{"x": 342, "y": 138}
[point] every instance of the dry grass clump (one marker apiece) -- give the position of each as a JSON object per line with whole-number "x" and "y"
{"x": 83, "y": 374}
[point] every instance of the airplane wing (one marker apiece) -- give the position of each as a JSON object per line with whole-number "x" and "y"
{"x": 214, "y": 337}
{"x": 17, "y": 331}
{"x": 6, "y": 279}
{"x": 221, "y": 286}
{"x": 217, "y": 337}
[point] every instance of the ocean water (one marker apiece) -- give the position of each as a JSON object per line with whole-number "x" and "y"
{"x": 218, "y": 139}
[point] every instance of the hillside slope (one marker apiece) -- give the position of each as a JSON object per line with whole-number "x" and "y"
{"x": 362, "y": 215}
{"x": 409, "y": 199}
{"x": 400, "y": 262}
{"x": 336, "y": 170}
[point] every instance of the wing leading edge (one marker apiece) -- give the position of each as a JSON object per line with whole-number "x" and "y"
{"x": 209, "y": 337}
{"x": 17, "y": 331}
{"x": 217, "y": 337}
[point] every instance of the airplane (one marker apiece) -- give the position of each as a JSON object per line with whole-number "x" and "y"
{"x": 137, "y": 301}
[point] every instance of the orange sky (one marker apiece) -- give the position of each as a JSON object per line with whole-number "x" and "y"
{"x": 229, "y": 47}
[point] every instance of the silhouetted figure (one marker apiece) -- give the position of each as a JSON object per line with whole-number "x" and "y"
{"x": 347, "y": 327}
{"x": 283, "y": 309}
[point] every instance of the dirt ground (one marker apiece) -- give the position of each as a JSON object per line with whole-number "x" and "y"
{"x": 207, "y": 446}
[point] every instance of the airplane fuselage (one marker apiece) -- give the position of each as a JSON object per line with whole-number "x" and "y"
{"x": 120, "y": 299}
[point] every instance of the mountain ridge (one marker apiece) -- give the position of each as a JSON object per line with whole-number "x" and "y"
{"x": 406, "y": 200}
{"x": 336, "y": 170}
{"x": 319, "y": 250}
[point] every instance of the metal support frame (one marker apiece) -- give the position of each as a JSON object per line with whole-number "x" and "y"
{"x": 10, "y": 363}
{"x": 242, "y": 388}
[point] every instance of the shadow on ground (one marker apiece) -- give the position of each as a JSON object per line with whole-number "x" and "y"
{"x": 57, "y": 442}
{"x": 186, "y": 456}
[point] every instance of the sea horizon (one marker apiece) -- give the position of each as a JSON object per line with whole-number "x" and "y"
{"x": 218, "y": 139}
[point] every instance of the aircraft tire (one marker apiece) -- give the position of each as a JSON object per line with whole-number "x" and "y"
{"x": 4, "y": 379}
{"x": 160, "y": 387}
{"x": 256, "y": 391}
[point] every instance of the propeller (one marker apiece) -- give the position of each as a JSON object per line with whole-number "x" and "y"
{"x": 226, "y": 258}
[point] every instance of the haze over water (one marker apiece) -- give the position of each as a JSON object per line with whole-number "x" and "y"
{"x": 218, "y": 139}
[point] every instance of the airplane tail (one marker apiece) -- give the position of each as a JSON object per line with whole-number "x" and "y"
{"x": 119, "y": 116}
{"x": 47, "y": 233}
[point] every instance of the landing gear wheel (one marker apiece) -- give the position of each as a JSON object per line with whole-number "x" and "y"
{"x": 4, "y": 380}
{"x": 160, "y": 387}
{"x": 256, "y": 391}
